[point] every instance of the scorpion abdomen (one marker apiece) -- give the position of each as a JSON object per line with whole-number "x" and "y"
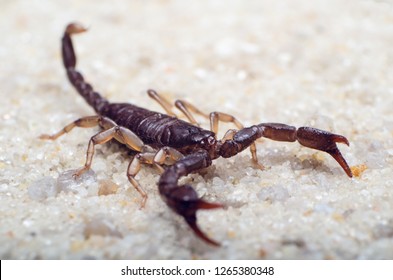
{"x": 153, "y": 128}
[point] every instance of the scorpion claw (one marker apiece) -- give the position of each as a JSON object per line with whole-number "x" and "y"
{"x": 335, "y": 153}
{"x": 326, "y": 142}
{"x": 190, "y": 217}
{"x": 340, "y": 139}
{"x": 201, "y": 204}
{"x": 191, "y": 221}
{"x": 184, "y": 201}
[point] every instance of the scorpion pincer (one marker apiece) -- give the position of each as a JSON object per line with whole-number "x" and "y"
{"x": 176, "y": 147}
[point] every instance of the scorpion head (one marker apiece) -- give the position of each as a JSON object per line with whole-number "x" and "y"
{"x": 207, "y": 141}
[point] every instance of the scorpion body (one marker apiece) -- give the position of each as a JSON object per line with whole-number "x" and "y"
{"x": 182, "y": 147}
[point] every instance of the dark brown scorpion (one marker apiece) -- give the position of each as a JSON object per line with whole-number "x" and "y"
{"x": 176, "y": 147}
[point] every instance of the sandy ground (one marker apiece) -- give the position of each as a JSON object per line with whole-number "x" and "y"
{"x": 326, "y": 64}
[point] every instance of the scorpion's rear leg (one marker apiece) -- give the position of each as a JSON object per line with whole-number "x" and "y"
{"x": 307, "y": 136}
{"x": 162, "y": 101}
{"x": 124, "y": 136}
{"x": 111, "y": 131}
{"x": 185, "y": 107}
{"x": 84, "y": 122}
{"x": 121, "y": 134}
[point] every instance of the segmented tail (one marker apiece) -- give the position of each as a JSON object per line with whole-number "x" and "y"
{"x": 93, "y": 98}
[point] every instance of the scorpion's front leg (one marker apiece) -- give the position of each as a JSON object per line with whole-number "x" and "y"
{"x": 184, "y": 199}
{"x": 307, "y": 136}
{"x": 156, "y": 158}
{"x": 215, "y": 117}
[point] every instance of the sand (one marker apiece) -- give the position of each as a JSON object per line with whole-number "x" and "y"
{"x": 326, "y": 64}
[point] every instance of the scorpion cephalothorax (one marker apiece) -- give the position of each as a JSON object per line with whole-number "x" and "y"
{"x": 164, "y": 140}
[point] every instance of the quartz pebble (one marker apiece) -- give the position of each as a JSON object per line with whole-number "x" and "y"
{"x": 43, "y": 188}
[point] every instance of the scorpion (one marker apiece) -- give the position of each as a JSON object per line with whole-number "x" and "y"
{"x": 174, "y": 146}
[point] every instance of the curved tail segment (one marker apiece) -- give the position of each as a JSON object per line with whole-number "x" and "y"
{"x": 94, "y": 99}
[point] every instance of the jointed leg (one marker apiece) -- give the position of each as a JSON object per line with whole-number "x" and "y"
{"x": 155, "y": 158}
{"x": 165, "y": 154}
{"x": 307, "y": 136}
{"x": 126, "y": 137}
{"x": 133, "y": 168}
{"x": 162, "y": 101}
{"x": 111, "y": 131}
{"x": 215, "y": 117}
{"x": 229, "y": 135}
{"x": 85, "y": 122}
{"x": 99, "y": 138}
{"x": 121, "y": 134}
{"x": 186, "y": 108}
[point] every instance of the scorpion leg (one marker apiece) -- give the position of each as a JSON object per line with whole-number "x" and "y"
{"x": 162, "y": 101}
{"x": 155, "y": 158}
{"x": 184, "y": 199}
{"x": 133, "y": 168}
{"x": 85, "y": 122}
{"x": 186, "y": 108}
{"x": 182, "y": 105}
{"x": 166, "y": 153}
{"x": 121, "y": 134}
{"x": 307, "y": 136}
{"x": 229, "y": 135}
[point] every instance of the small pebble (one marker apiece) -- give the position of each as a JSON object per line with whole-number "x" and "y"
{"x": 78, "y": 185}
{"x": 43, "y": 188}
{"x": 107, "y": 187}
{"x": 102, "y": 226}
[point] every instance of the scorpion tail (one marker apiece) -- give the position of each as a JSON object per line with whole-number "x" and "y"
{"x": 93, "y": 98}
{"x": 69, "y": 59}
